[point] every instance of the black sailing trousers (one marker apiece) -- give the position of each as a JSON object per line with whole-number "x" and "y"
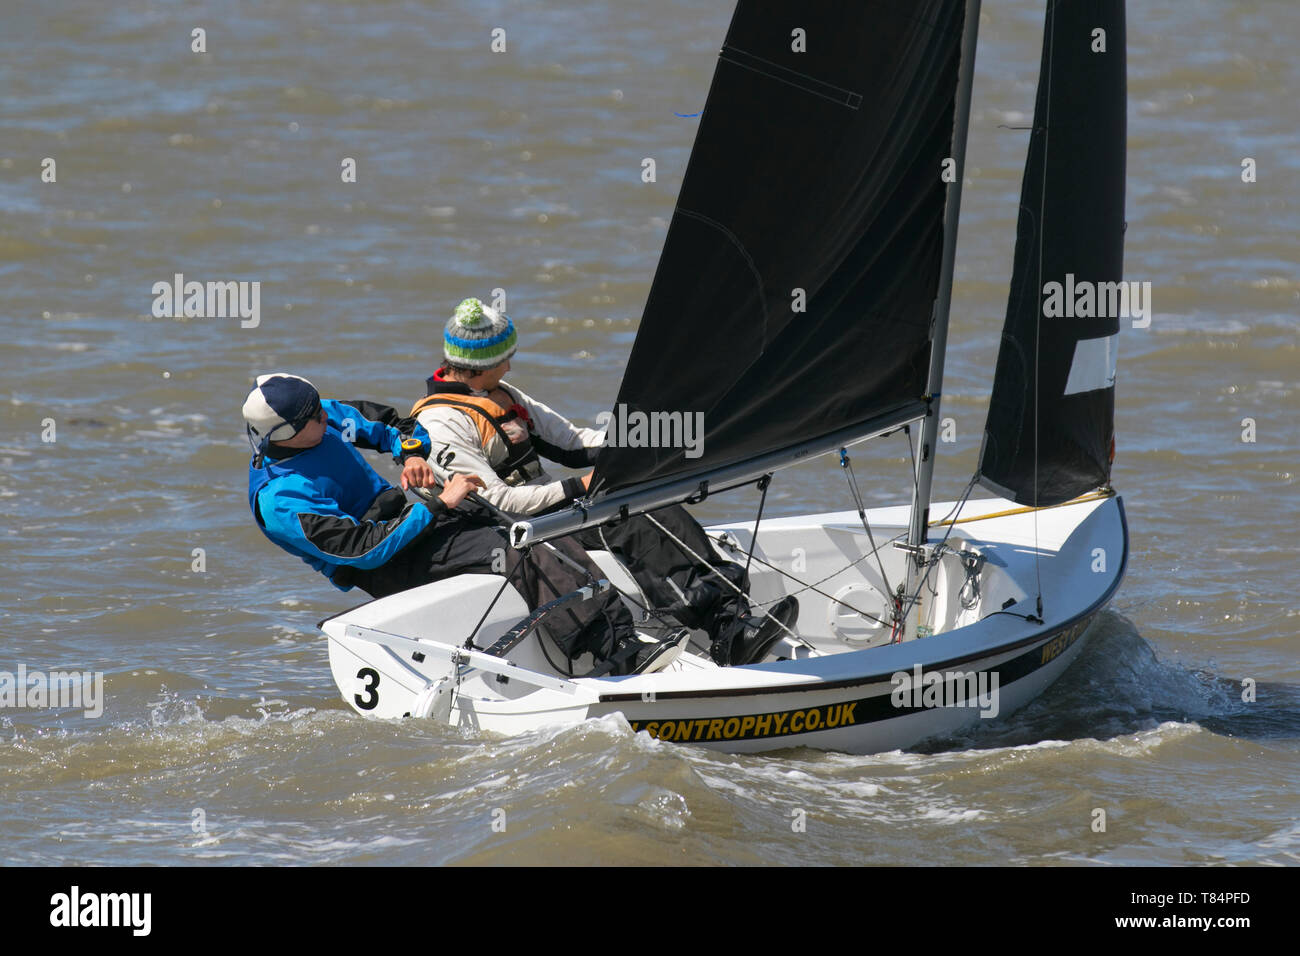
{"x": 468, "y": 540}
{"x": 666, "y": 573}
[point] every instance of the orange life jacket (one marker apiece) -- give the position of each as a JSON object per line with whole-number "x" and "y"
{"x": 489, "y": 416}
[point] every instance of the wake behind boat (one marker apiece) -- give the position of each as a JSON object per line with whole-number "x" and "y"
{"x": 801, "y": 308}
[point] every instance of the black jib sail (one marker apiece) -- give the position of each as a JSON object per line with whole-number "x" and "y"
{"x": 794, "y": 295}
{"x": 1050, "y": 430}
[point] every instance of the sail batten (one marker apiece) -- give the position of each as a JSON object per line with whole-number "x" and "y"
{"x": 1050, "y": 429}
{"x": 794, "y": 296}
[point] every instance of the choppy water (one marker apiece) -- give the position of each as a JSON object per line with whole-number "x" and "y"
{"x": 521, "y": 171}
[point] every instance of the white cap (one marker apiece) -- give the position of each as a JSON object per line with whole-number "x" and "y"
{"x": 279, "y": 406}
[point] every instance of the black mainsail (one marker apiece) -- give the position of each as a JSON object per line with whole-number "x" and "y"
{"x": 1050, "y": 429}
{"x": 795, "y": 292}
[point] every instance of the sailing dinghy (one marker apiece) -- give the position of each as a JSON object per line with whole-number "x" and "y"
{"x": 801, "y": 305}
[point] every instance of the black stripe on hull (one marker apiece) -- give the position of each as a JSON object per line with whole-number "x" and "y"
{"x": 866, "y": 710}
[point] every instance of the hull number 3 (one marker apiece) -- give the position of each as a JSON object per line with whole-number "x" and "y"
{"x": 371, "y": 689}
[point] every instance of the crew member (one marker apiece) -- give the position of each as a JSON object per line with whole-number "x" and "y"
{"x": 314, "y": 495}
{"x": 478, "y": 425}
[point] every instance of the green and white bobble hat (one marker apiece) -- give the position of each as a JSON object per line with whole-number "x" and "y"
{"x": 478, "y": 336}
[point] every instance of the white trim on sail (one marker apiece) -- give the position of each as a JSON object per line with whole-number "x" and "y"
{"x": 1093, "y": 365}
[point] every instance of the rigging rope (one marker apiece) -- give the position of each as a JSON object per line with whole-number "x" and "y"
{"x": 929, "y": 565}
{"x": 847, "y": 467}
{"x": 725, "y": 540}
{"x": 763, "y": 484}
{"x": 469, "y": 641}
{"x": 646, "y": 610}
{"x": 911, "y": 450}
{"x": 1050, "y": 26}
{"x": 722, "y": 577}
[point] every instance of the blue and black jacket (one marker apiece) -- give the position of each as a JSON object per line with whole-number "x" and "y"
{"x": 327, "y": 506}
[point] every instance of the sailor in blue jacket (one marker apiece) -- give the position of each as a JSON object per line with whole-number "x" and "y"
{"x": 314, "y": 495}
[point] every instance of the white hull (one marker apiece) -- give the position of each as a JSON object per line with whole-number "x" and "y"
{"x": 844, "y": 694}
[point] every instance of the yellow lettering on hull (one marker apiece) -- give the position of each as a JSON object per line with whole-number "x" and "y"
{"x": 752, "y": 726}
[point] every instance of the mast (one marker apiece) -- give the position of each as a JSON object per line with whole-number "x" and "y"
{"x": 917, "y": 531}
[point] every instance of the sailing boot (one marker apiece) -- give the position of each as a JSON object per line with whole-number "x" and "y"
{"x": 705, "y": 607}
{"x": 708, "y": 598}
{"x": 699, "y": 605}
{"x": 642, "y": 654}
{"x": 736, "y": 636}
{"x": 743, "y": 638}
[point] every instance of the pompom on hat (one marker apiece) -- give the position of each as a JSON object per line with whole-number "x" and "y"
{"x": 279, "y": 406}
{"x": 478, "y": 336}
